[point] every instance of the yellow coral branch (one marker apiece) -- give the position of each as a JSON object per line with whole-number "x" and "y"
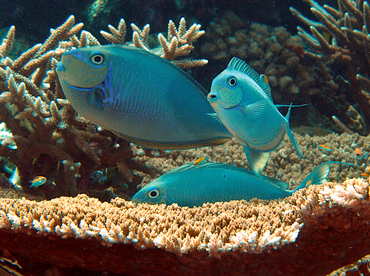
{"x": 117, "y": 36}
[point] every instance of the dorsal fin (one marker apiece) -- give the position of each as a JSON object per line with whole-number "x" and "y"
{"x": 240, "y": 65}
{"x": 265, "y": 85}
{"x": 202, "y": 165}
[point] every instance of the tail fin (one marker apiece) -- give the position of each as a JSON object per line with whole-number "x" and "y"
{"x": 319, "y": 175}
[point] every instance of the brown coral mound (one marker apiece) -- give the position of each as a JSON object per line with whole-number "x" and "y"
{"x": 313, "y": 232}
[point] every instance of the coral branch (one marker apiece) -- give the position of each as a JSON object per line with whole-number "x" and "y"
{"x": 350, "y": 44}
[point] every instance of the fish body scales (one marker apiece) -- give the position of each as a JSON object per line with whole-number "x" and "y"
{"x": 211, "y": 183}
{"x": 193, "y": 185}
{"x": 139, "y": 96}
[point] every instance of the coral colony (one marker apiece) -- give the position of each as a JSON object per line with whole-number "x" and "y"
{"x": 49, "y": 151}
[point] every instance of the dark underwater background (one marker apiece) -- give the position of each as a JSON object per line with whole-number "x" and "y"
{"x": 33, "y": 20}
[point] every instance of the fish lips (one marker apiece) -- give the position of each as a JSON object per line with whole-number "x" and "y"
{"x": 212, "y": 97}
{"x": 138, "y": 198}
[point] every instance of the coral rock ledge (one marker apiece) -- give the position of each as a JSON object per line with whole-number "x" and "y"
{"x": 313, "y": 232}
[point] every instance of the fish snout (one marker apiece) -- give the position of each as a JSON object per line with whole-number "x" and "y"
{"x": 212, "y": 96}
{"x": 138, "y": 197}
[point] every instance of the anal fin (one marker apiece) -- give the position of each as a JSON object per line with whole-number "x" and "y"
{"x": 257, "y": 160}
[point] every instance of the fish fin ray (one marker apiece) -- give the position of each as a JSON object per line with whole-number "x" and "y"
{"x": 205, "y": 165}
{"x": 319, "y": 175}
{"x": 289, "y": 105}
{"x": 254, "y": 110}
{"x": 282, "y": 185}
{"x": 240, "y": 65}
{"x": 215, "y": 116}
{"x": 294, "y": 141}
{"x": 257, "y": 160}
{"x": 290, "y": 134}
{"x": 173, "y": 146}
{"x": 265, "y": 86}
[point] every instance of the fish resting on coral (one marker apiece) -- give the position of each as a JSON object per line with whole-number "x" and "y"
{"x": 209, "y": 182}
{"x": 139, "y": 96}
{"x": 242, "y": 100}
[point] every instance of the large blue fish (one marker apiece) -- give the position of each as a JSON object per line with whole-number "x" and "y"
{"x": 243, "y": 103}
{"x": 139, "y": 96}
{"x": 192, "y": 185}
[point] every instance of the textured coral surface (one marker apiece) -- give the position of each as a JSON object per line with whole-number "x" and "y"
{"x": 321, "y": 228}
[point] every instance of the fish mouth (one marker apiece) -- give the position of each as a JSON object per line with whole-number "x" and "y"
{"x": 212, "y": 97}
{"x": 138, "y": 198}
{"x": 78, "y": 88}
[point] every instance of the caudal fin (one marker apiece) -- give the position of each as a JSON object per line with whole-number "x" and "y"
{"x": 319, "y": 175}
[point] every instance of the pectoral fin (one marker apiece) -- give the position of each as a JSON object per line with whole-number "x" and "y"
{"x": 215, "y": 117}
{"x": 254, "y": 110}
{"x": 257, "y": 160}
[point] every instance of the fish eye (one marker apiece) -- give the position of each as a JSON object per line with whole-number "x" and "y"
{"x": 153, "y": 194}
{"x": 231, "y": 81}
{"x": 97, "y": 58}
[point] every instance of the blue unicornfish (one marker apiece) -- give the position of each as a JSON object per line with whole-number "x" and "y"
{"x": 139, "y": 96}
{"x": 242, "y": 101}
{"x": 194, "y": 184}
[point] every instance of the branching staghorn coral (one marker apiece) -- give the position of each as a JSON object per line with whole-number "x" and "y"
{"x": 179, "y": 41}
{"x": 50, "y": 139}
{"x": 235, "y": 236}
{"x": 348, "y": 26}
